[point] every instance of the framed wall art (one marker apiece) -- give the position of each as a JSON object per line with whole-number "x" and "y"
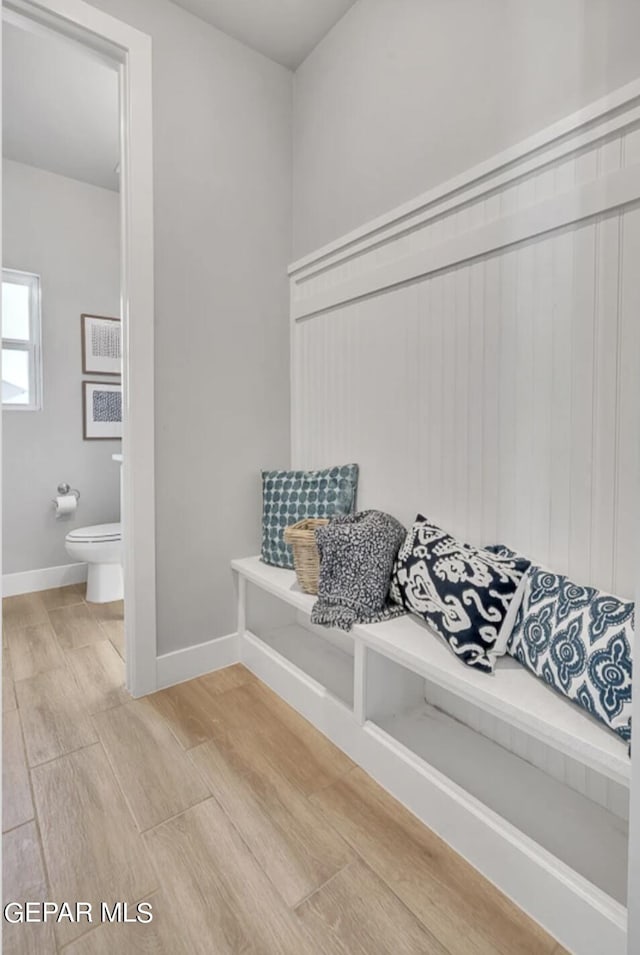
{"x": 101, "y": 345}
{"x": 101, "y": 410}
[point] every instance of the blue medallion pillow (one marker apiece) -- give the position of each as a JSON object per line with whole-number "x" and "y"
{"x": 578, "y": 639}
{"x": 462, "y": 592}
{"x": 290, "y": 496}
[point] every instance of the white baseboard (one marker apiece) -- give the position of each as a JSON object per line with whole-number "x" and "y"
{"x": 181, "y": 665}
{"x": 30, "y": 581}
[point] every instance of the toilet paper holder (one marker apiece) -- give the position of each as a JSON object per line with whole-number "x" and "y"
{"x": 64, "y": 488}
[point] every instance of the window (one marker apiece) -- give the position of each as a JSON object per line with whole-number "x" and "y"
{"x": 21, "y": 364}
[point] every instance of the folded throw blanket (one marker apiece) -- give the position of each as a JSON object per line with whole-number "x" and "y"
{"x": 357, "y": 554}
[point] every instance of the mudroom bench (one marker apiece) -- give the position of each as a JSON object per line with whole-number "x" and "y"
{"x": 521, "y": 782}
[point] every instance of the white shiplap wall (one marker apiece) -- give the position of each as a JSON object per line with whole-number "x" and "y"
{"x": 476, "y": 351}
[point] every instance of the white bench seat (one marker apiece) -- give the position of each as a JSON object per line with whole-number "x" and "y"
{"x": 511, "y": 693}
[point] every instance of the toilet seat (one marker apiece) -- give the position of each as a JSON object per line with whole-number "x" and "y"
{"x": 98, "y": 534}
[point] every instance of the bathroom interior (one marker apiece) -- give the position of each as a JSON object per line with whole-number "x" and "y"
{"x": 62, "y": 356}
{"x": 277, "y": 271}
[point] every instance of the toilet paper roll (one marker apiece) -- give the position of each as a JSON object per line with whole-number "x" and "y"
{"x": 65, "y": 504}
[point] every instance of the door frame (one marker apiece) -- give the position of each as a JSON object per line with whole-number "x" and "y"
{"x": 129, "y": 51}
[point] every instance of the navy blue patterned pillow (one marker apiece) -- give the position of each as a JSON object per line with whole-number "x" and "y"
{"x": 502, "y": 550}
{"x": 462, "y": 592}
{"x": 578, "y": 639}
{"x": 512, "y": 613}
{"x": 290, "y": 496}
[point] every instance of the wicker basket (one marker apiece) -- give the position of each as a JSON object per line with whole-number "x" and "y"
{"x": 306, "y": 560}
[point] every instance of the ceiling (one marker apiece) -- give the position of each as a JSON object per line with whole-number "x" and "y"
{"x": 59, "y": 107}
{"x": 284, "y": 30}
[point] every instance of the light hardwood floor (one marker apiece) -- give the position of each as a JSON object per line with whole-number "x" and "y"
{"x": 247, "y": 831}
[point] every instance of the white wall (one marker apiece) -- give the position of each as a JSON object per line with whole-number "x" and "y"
{"x": 222, "y": 191}
{"x": 404, "y": 94}
{"x": 68, "y": 233}
{"x": 479, "y": 356}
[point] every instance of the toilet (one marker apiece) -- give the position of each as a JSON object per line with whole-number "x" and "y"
{"x": 100, "y": 547}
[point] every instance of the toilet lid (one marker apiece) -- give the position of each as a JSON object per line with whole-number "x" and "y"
{"x": 97, "y": 533}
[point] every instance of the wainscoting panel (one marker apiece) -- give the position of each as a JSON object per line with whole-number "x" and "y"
{"x": 476, "y": 352}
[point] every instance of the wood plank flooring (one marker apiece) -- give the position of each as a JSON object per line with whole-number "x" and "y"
{"x": 244, "y": 827}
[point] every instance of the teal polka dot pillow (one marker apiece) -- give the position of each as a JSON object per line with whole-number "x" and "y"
{"x": 290, "y": 496}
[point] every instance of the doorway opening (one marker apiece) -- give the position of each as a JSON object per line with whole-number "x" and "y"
{"x": 78, "y": 449}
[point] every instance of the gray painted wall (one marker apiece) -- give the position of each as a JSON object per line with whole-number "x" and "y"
{"x": 404, "y": 94}
{"x": 222, "y": 189}
{"x": 67, "y": 232}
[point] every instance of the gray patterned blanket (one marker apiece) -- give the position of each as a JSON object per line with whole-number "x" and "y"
{"x": 357, "y": 554}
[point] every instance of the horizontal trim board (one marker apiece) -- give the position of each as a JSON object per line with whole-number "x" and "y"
{"x": 32, "y": 581}
{"x": 597, "y": 120}
{"x": 459, "y": 199}
{"x": 601, "y": 196}
{"x": 191, "y": 662}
